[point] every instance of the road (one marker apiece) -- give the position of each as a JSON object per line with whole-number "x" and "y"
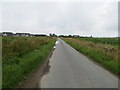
{"x": 71, "y": 69}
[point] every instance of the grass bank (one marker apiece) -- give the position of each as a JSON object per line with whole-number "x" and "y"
{"x": 16, "y": 70}
{"x": 96, "y": 54}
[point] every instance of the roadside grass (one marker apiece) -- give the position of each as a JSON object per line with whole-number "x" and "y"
{"x": 14, "y": 73}
{"x": 14, "y": 47}
{"x": 109, "y": 63}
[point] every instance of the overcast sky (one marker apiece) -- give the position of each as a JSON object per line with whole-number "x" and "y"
{"x": 98, "y": 19}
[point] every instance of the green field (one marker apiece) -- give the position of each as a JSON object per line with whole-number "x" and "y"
{"x": 112, "y": 41}
{"x": 102, "y": 52}
{"x": 21, "y": 55}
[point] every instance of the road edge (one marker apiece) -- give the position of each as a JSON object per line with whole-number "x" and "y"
{"x": 32, "y": 80}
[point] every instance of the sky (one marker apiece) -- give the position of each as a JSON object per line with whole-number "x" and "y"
{"x": 84, "y": 18}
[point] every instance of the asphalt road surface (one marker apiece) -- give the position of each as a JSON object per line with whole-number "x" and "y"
{"x": 71, "y": 69}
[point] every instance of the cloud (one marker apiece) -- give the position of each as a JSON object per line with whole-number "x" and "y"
{"x": 82, "y": 18}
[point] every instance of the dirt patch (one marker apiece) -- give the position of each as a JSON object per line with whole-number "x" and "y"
{"x": 34, "y": 77}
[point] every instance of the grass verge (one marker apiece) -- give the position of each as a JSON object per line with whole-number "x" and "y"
{"x": 15, "y": 73}
{"x": 105, "y": 61}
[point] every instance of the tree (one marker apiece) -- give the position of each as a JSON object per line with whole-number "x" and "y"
{"x": 52, "y": 35}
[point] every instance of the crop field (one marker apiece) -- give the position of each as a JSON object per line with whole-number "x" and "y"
{"x": 102, "y": 50}
{"x": 111, "y": 41}
{"x": 20, "y": 55}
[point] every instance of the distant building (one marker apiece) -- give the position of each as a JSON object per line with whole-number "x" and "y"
{"x": 42, "y": 35}
{"x": 23, "y": 34}
{"x": 30, "y": 35}
{"x": 7, "y": 34}
{"x": 76, "y": 36}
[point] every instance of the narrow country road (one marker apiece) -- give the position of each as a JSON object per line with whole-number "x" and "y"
{"x": 71, "y": 69}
